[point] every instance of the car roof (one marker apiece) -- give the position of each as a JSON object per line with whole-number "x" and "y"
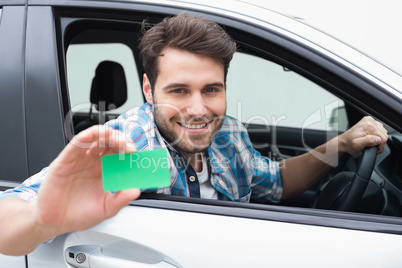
{"x": 256, "y": 15}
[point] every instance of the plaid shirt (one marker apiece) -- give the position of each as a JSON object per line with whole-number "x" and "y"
{"x": 237, "y": 171}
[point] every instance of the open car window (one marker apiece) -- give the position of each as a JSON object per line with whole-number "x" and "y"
{"x": 285, "y": 112}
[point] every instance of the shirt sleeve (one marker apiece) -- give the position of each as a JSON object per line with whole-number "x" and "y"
{"x": 266, "y": 182}
{"x": 28, "y": 190}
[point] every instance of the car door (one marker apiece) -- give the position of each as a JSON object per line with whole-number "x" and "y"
{"x": 166, "y": 231}
{"x": 155, "y": 233}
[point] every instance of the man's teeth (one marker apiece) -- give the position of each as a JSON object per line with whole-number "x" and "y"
{"x": 194, "y": 126}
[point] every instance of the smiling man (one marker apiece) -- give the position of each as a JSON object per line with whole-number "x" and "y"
{"x": 189, "y": 105}
{"x": 189, "y": 100}
{"x": 186, "y": 61}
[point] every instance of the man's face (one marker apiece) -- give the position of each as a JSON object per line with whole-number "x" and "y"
{"x": 189, "y": 99}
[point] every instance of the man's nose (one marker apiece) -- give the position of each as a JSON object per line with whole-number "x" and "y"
{"x": 196, "y": 105}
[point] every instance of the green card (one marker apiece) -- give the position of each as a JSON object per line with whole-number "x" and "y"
{"x": 143, "y": 170}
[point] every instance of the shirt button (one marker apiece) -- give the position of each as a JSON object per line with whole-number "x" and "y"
{"x": 192, "y": 178}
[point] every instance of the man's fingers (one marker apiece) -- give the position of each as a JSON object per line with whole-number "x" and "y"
{"x": 383, "y": 133}
{"x": 375, "y": 134}
{"x": 97, "y": 140}
{"x": 117, "y": 201}
{"x": 375, "y": 128}
{"x": 368, "y": 141}
{"x": 380, "y": 136}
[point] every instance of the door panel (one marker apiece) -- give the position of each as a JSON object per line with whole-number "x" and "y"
{"x": 191, "y": 239}
{"x": 11, "y": 261}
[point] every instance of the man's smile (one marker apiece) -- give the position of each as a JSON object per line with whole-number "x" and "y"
{"x": 194, "y": 126}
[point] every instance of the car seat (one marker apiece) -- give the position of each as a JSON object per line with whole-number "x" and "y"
{"x": 108, "y": 92}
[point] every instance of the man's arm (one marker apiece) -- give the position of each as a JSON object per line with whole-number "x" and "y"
{"x": 301, "y": 172}
{"x": 71, "y": 198}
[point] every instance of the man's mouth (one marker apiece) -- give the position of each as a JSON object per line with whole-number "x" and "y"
{"x": 194, "y": 126}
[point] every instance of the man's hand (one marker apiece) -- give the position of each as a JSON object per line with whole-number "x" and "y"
{"x": 367, "y": 132}
{"x": 301, "y": 172}
{"x": 71, "y": 197}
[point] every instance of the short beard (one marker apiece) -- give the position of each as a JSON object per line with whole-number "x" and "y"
{"x": 175, "y": 140}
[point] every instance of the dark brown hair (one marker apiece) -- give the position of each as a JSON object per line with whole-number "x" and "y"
{"x": 189, "y": 33}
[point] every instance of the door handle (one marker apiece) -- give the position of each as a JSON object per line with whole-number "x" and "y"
{"x": 91, "y": 256}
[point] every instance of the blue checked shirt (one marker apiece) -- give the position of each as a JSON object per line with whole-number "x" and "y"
{"x": 237, "y": 171}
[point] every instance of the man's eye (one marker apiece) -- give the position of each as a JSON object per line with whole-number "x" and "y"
{"x": 211, "y": 90}
{"x": 178, "y": 90}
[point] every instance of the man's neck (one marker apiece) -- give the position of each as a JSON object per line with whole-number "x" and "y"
{"x": 195, "y": 160}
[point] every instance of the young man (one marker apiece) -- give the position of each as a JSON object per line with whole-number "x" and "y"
{"x": 186, "y": 61}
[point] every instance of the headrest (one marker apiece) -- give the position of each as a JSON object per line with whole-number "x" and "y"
{"x": 109, "y": 86}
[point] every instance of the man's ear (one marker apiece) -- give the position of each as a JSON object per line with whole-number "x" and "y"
{"x": 147, "y": 89}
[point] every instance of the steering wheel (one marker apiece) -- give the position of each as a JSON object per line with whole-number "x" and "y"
{"x": 345, "y": 190}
